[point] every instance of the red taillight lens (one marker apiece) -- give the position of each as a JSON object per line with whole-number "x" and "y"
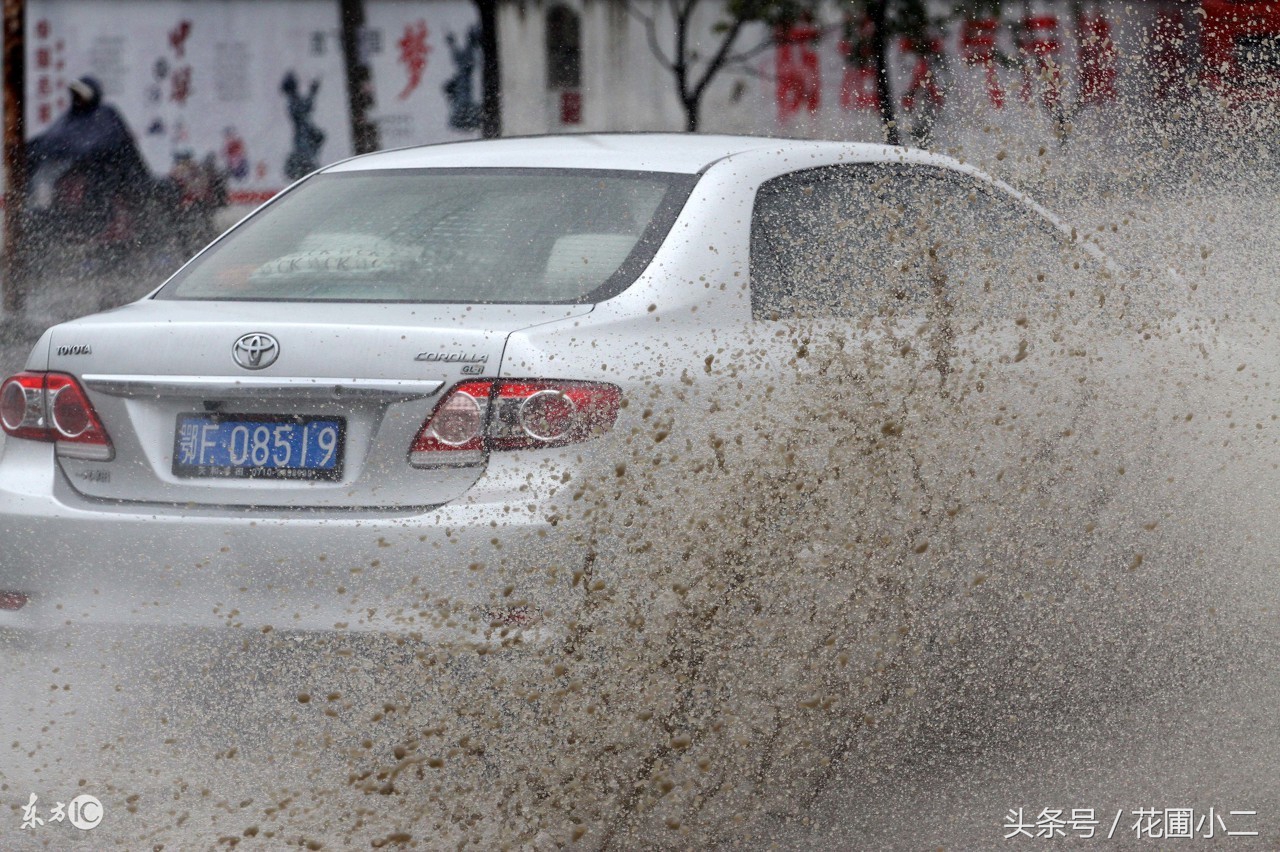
{"x": 531, "y": 414}
{"x": 454, "y": 433}
{"x": 22, "y": 410}
{"x": 480, "y": 416}
{"x": 53, "y": 407}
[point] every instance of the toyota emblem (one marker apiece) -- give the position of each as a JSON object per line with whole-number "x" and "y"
{"x": 255, "y": 351}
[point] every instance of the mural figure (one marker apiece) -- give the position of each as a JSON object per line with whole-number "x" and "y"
{"x": 86, "y": 166}
{"x": 465, "y": 112}
{"x": 307, "y": 137}
{"x": 413, "y": 55}
{"x": 235, "y": 155}
{"x": 93, "y": 203}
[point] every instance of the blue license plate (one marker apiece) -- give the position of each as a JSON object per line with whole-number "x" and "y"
{"x": 258, "y": 446}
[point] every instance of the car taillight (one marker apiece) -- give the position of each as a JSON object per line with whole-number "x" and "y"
{"x": 480, "y": 416}
{"x": 454, "y": 433}
{"x": 53, "y": 407}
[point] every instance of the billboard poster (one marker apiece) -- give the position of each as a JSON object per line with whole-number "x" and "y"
{"x": 426, "y": 62}
{"x": 258, "y": 85}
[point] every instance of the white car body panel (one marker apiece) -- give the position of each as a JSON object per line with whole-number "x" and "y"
{"x": 406, "y": 547}
{"x": 327, "y": 351}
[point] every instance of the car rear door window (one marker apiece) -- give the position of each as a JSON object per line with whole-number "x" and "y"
{"x": 852, "y": 241}
{"x": 1001, "y": 259}
{"x": 837, "y": 242}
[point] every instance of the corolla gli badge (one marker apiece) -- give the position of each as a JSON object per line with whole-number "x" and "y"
{"x": 452, "y": 357}
{"x": 255, "y": 351}
{"x": 472, "y": 362}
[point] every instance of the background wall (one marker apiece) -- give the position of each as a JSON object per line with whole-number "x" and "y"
{"x": 205, "y": 77}
{"x": 1104, "y": 56}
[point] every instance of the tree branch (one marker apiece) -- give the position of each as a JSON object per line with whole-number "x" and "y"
{"x": 718, "y": 60}
{"x": 651, "y": 34}
{"x": 766, "y": 43}
{"x": 680, "y": 67}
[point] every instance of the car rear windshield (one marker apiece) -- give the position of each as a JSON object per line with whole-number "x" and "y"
{"x": 529, "y": 236}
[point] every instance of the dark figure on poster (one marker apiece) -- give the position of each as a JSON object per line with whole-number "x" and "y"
{"x": 465, "y": 113}
{"x": 93, "y": 205}
{"x": 307, "y": 137}
{"x": 86, "y": 170}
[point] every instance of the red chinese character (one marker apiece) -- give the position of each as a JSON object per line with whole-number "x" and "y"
{"x": 180, "y": 85}
{"x": 923, "y": 81}
{"x": 1097, "y": 60}
{"x": 1166, "y": 54}
{"x": 796, "y": 63}
{"x": 178, "y": 38}
{"x": 978, "y": 47}
{"x": 42, "y": 28}
{"x": 1041, "y": 46}
{"x": 858, "y": 87}
{"x": 413, "y": 54}
{"x": 42, "y": 57}
{"x": 45, "y": 113}
{"x": 43, "y": 87}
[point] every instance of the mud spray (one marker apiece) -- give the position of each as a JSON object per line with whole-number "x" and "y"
{"x": 942, "y": 520}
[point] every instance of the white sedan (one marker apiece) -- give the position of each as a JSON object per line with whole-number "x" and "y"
{"x": 362, "y": 405}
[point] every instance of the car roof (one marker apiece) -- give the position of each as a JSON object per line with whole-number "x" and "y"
{"x": 684, "y": 153}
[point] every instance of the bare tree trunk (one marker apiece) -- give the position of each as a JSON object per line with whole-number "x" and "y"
{"x": 683, "y": 62}
{"x": 691, "y": 114}
{"x": 364, "y": 133}
{"x": 15, "y": 155}
{"x": 490, "y": 70}
{"x": 879, "y": 10}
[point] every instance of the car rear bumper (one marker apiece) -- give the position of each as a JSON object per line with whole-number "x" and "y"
{"x": 460, "y": 570}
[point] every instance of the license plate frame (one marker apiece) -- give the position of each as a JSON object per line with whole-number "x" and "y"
{"x": 226, "y": 423}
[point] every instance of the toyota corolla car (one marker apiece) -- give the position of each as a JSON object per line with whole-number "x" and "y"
{"x": 356, "y": 404}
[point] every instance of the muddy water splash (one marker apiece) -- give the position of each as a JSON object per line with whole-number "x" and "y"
{"x": 946, "y": 520}
{"x": 943, "y": 521}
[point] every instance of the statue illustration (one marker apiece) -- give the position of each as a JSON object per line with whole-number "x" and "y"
{"x": 307, "y": 137}
{"x": 465, "y": 112}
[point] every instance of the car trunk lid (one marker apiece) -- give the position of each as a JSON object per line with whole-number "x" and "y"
{"x": 360, "y": 378}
